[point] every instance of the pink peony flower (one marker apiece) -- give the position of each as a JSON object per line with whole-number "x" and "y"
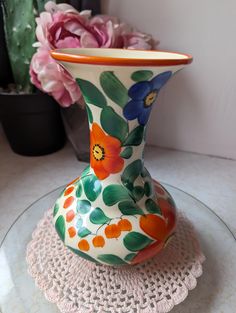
{"x": 51, "y": 78}
{"x": 137, "y": 40}
{"x": 61, "y": 26}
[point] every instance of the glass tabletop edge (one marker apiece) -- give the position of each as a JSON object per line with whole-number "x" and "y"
{"x": 26, "y": 209}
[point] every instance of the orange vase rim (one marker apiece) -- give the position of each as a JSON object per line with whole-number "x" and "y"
{"x": 121, "y": 57}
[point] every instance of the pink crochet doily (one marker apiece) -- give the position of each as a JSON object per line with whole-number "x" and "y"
{"x": 79, "y": 286}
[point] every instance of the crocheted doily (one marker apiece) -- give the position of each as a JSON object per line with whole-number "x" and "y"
{"x": 80, "y": 286}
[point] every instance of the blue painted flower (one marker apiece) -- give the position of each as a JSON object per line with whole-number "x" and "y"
{"x": 143, "y": 95}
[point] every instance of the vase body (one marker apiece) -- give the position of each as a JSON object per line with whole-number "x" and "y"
{"x": 114, "y": 213}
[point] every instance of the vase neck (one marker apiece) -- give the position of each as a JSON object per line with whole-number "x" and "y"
{"x": 119, "y": 102}
{"x": 112, "y": 136}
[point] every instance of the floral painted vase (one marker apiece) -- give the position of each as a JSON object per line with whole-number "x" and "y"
{"x": 114, "y": 213}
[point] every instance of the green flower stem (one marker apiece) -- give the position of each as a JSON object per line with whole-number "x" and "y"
{"x": 107, "y": 223}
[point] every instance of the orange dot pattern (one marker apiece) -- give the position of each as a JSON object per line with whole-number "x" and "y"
{"x": 68, "y": 202}
{"x": 112, "y": 231}
{"x": 83, "y": 245}
{"x": 98, "y": 242}
{"x": 72, "y": 232}
{"x": 125, "y": 225}
{"x": 70, "y": 216}
{"x": 69, "y": 190}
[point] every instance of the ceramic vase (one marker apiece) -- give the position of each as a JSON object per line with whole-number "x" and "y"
{"x": 114, "y": 213}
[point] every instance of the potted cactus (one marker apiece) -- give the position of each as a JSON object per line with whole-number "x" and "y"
{"x": 31, "y": 119}
{"x": 5, "y": 73}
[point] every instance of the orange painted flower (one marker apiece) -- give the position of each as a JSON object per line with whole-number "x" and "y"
{"x": 104, "y": 153}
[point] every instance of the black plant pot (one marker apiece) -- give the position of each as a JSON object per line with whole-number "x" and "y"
{"x": 94, "y": 5}
{"x": 32, "y": 123}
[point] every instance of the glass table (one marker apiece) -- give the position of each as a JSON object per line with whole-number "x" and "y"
{"x": 215, "y": 292}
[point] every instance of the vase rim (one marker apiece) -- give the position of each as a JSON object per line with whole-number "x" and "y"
{"x": 121, "y": 57}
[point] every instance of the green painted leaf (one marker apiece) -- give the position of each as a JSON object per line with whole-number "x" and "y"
{"x": 97, "y": 216}
{"x": 60, "y": 227}
{"x": 90, "y": 114}
{"x": 127, "y": 153}
{"x": 85, "y": 171}
{"x": 131, "y": 172}
{"x": 111, "y": 259}
{"x": 83, "y": 206}
{"x": 134, "y": 241}
{"x": 91, "y": 93}
{"x": 135, "y": 137}
{"x": 138, "y": 192}
{"x": 55, "y": 209}
{"x": 92, "y": 187}
{"x": 129, "y": 257}
{"x": 147, "y": 189}
{"x": 144, "y": 172}
{"x": 113, "y": 124}
{"x": 152, "y": 207}
{"x": 139, "y": 76}
{"x": 115, "y": 193}
{"x": 79, "y": 222}
{"x": 83, "y": 255}
{"x": 83, "y": 232}
{"x": 78, "y": 190}
{"x": 114, "y": 88}
{"x": 129, "y": 207}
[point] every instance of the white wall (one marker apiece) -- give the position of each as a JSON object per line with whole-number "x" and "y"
{"x": 197, "y": 109}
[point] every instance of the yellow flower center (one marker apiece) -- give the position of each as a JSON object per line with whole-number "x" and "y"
{"x": 150, "y": 98}
{"x": 98, "y": 152}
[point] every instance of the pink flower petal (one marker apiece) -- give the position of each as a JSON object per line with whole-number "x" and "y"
{"x": 61, "y": 26}
{"x": 68, "y": 42}
{"x": 88, "y": 41}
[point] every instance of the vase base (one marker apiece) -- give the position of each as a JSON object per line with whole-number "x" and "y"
{"x": 163, "y": 281}
{"x": 105, "y": 224}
